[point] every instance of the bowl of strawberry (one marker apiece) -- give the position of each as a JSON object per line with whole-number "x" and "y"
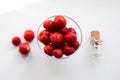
{"x": 59, "y": 36}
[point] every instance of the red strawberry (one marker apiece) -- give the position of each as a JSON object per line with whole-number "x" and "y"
{"x": 59, "y": 22}
{"x": 29, "y": 35}
{"x": 58, "y": 53}
{"x": 68, "y": 50}
{"x": 44, "y": 37}
{"x": 24, "y": 48}
{"x": 56, "y": 39}
{"x": 48, "y": 24}
{"x": 16, "y": 40}
{"x": 70, "y": 38}
{"x": 48, "y": 50}
{"x": 71, "y": 30}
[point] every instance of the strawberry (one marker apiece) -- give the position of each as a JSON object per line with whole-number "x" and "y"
{"x": 44, "y": 37}
{"x": 56, "y": 39}
{"x": 58, "y": 53}
{"x": 59, "y": 22}
{"x": 24, "y": 48}
{"x": 48, "y": 49}
{"x": 29, "y": 35}
{"x": 68, "y": 50}
{"x": 16, "y": 40}
{"x": 70, "y": 38}
{"x": 48, "y": 24}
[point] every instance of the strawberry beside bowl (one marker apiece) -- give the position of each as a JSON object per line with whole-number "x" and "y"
{"x": 59, "y": 36}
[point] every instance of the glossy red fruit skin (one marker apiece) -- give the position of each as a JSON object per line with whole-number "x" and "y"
{"x": 24, "y": 48}
{"x": 29, "y": 35}
{"x": 59, "y": 22}
{"x": 63, "y": 31}
{"x": 76, "y": 45}
{"x": 58, "y": 53}
{"x": 68, "y": 50}
{"x": 71, "y": 30}
{"x": 48, "y": 24}
{"x": 48, "y": 49}
{"x": 44, "y": 32}
{"x": 56, "y": 39}
{"x": 44, "y": 37}
{"x": 16, "y": 41}
{"x": 70, "y": 38}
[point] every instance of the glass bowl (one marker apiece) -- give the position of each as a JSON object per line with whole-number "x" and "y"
{"x": 70, "y": 23}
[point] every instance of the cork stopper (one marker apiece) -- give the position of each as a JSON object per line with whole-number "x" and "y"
{"x": 95, "y": 34}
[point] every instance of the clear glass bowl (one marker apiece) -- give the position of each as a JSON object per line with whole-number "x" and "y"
{"x": 70, "y": 23}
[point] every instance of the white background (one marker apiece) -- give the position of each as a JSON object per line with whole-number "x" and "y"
{"x": 103, "y": 15}
{"x": 9, "y": 5}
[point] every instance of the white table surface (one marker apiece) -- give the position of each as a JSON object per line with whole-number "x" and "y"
{"x": 102, "y": 15}
{"x": 10, "y": 5}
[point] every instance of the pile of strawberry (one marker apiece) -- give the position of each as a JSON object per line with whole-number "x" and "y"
{"x": 24, "y": 47}
{"x": 58, "y": 39}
